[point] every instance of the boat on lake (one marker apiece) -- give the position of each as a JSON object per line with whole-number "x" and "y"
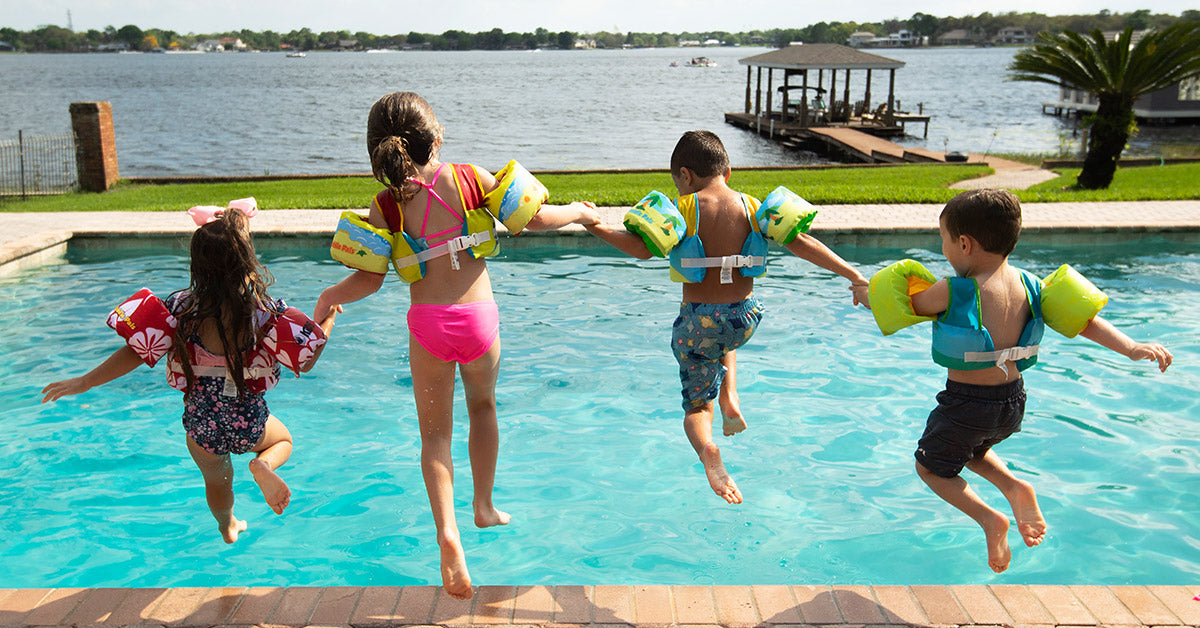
{"x": 701, "y": 62}
{"x": 296, "y": 55}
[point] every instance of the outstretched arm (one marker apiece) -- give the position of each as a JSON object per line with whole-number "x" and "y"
{"x": 624, "y": 241}
{"x": 358, "y": 286}
{"x": 122, "y": 361}
{"x": 1105, "y": 334}
{"x": 551, "y": 217}
{"x": 813, "y": 250}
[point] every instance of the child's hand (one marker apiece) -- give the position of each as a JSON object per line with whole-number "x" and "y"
{"x": 327, "y": 324}
{"x": 860, "y": 292}
{"x": 58, "y": 390}
{"x": 587, "y": 213}
{"x": 1152, "y": 351}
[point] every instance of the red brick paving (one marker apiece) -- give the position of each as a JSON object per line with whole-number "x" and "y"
{"x": 610, "y": 606}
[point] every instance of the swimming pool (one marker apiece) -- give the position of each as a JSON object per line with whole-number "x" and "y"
{"x": 98, "y": 489}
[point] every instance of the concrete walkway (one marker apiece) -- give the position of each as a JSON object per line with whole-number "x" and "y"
{"x": 1009, "y": 175}
{"x": 26, "y": 235}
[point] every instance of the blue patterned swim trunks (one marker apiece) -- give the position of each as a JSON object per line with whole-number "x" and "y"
{"x": 702, "y": 335}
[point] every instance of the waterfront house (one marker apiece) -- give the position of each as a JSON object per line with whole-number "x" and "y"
{"x": 860, "y": 38}
{"x": 6, "y": 47}
{"x": 956, "y": 37}
{"x": 1012, "y": 35}
{"x": 1178, "y": 102}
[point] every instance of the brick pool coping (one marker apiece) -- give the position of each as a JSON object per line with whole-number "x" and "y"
{"x": 609, "y": 606}
{"x": 30, "y": 239}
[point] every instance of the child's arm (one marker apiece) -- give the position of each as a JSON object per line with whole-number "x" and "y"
{"x": 933, "y": 300}
{"x": 1106, "y": 335}
{"x": 327, "y": 327}
{"x": 122, "y": 361}
{"x": 551, "y": 217}
{"x": 360, "y": 285}
{"x": 813, "y": 250}
{"x": 624, "y": 241}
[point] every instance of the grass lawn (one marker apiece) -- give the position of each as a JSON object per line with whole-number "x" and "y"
{"x": 900, "y": 184}
{"x": 821, "y": 186}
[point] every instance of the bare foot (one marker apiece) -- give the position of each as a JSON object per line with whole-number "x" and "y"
{"x": 1025, "y": 509}
{"x": 718, "y": 478}
{"x": 230, "y": 532}
{"x": 486, "y": 517}
{"x": 274, "y": 489}
{"x": 996, "y": 531}
{"x": 732, "y": 421}
{"x": 455, "y": 579}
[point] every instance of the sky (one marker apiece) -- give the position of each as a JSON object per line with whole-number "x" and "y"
{"x": 403, "y": 16}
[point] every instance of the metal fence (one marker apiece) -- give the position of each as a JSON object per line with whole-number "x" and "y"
{"x": 37, "y": 165}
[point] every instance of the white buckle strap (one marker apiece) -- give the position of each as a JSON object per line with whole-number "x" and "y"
{"x": 230, "y": 389}
{"x": 450, "y": 247}
{"x": 1001, "y": 357}
{"x": 727, "y": 264}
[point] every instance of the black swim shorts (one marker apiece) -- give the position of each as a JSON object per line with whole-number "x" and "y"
{"x": 967, "y": 422}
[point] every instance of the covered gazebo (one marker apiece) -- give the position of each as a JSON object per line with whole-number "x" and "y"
{"x": 796, "y": 63}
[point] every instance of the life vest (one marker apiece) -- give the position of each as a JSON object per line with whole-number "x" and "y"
{"x": 688, "y": 261}
{"x": 960, "y": 341}
{"x": 478, "y": 236}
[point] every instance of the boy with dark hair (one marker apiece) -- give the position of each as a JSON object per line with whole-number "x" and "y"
{"x": 717, "y": 316}
{"x": 990, "y": 303}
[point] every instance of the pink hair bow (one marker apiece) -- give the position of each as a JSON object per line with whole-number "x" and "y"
{"x": 204, "y": 214}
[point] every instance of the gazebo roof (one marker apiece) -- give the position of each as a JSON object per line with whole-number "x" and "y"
{"x": 821, "y": 57}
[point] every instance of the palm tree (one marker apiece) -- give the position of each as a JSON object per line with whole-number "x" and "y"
{"x": 1117, "y": 72}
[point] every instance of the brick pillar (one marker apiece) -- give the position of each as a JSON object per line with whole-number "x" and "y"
{"x": 95, "y": 145}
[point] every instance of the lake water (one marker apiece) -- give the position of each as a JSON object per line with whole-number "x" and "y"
{"x": 207, "y": 114}
{"x": 98, "y": 489}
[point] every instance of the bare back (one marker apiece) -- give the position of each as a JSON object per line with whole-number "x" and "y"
{"x": 723, "y": 227}
{"x": 1004, "y": 307}
{"x": 442, "y": 284}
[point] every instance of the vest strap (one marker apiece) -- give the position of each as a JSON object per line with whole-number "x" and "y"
{"x": 1001, "y": 357}
{"x": 726, "y": 263}
{"x": 450, "y": 247}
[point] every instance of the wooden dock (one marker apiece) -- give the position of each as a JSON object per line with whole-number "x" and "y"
{"x": 853, "y": 141}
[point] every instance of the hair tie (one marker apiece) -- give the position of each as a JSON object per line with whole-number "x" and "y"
{"x": 204, "y": 214}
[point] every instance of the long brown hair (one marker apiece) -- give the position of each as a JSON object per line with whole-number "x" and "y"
{"x": 401, "y": 135}
{"x": 229, "y": 286}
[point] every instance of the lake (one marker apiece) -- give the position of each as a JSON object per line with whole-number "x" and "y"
{"x": 265, "y": 113}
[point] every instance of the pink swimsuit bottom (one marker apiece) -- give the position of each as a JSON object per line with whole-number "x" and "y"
{"x": 459, "y": 332}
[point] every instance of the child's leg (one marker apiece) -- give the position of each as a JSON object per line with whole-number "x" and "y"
{"x": 697, "y": 424}
{"x": 433, "y": 389}
{"x": 731, "y": 411}
{"x": 218, "y": 489}
{"x": 1019, "y": 493}
{"x": 273, "y": 449}
{"x": 479, "y": 383}
{"x": 956, "y": 492}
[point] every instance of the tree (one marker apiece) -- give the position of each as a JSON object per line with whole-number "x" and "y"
{"x": 1117, "y": 72}
{"x": 131, "y": 35}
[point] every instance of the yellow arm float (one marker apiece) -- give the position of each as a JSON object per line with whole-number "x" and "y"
{"x": 1069, "y": 301}
{"x": 516, "y": 198}
{"x": 783, "y": 215}
{"x": 361, "y": 245}
{"x": 891, "y": 293}
{"x": 659, "y": 223}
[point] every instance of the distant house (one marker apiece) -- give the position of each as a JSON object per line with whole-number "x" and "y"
{"x": 1180, "y": 101}
{"x": 1012, "y": 35}
{"x": 757, "y": 40}
{"x": 585, "y": 44}
{"x": 233, "y": 43}
{"x": 956, "y": 37}
{"x": 119, "y": 46}
{"x": 900, "y": 39}
{"x": 712, "y": 42}
{"x": 860, "y": 39}
{"x": 209, "y": 45}
{"x": 347, "y": 44}
{"x": 689, "y": 43}
{"x": 6, "y": 47}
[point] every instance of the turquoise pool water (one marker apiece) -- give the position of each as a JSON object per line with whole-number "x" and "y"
{"x": 98, "y": 490}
